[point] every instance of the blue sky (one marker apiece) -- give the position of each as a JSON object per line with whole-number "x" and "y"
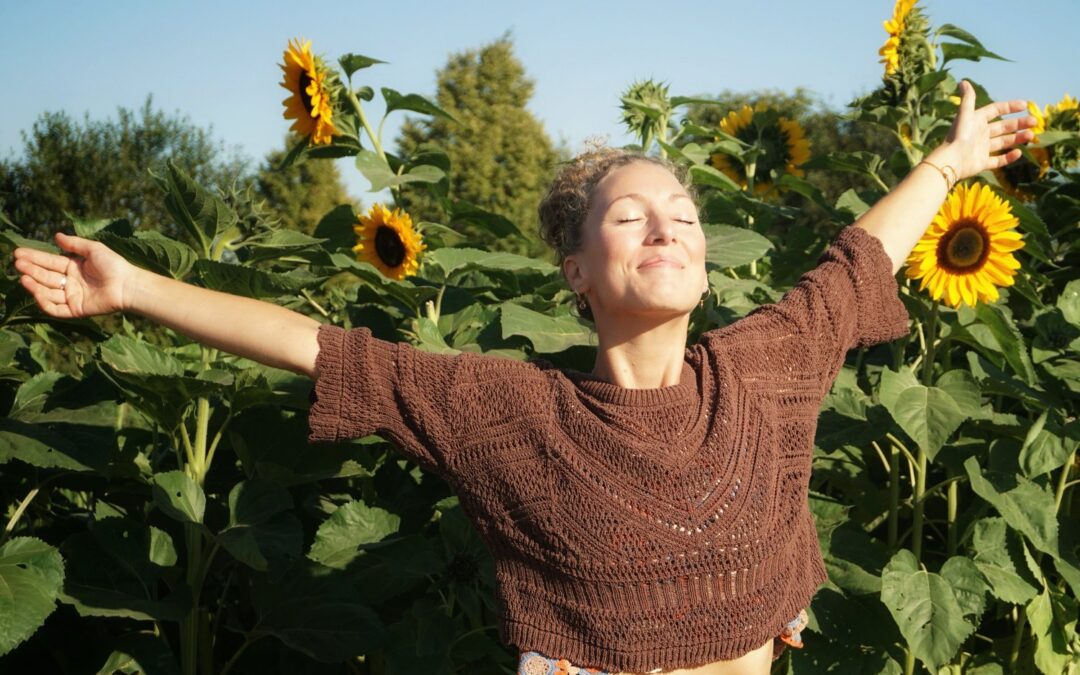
{"x": 217, "y": 61}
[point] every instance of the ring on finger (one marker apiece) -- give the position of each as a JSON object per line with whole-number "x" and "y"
{"x": 63, "y": 281}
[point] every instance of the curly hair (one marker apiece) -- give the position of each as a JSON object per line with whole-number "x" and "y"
{"x": 564, "y": 208}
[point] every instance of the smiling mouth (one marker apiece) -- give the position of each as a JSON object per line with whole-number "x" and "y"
{"x": 660, "y": 263}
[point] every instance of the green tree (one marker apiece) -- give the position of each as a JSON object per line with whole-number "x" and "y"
{"x": 98, "y": 168}
{"x": 501, "y": 158}
{"x": 302, "y": 194}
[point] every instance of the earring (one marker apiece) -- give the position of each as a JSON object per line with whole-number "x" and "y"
{"x": 582, "y": 304}
{"x": 705, "y": 296}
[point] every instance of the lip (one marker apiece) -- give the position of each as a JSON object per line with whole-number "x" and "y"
{"x": 661, "y": 261}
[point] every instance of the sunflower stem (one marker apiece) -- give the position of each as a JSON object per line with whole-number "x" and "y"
{"x": 359, "y": 110}
{"x": 931, "y": 337}
{"x": 894, "y": 495}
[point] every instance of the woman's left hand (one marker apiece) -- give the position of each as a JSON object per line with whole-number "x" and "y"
{"x": 975, "y": 135}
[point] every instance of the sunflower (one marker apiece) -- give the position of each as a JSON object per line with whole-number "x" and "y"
{"x": 1063, "y": 116}
{"x": 890, "y": 51}
{"x": 1012, "y": 177}
{"x": 966, "y": 253}
{"x": 310, "y": 100}
{"x": 388, "y": 241}
{"x": 783, "y": 146}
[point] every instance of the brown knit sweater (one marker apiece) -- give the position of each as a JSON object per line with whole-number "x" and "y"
{"x": 632, "y": 529}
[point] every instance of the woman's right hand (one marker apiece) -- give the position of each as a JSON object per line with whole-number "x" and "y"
{"x": 97, "y": 278}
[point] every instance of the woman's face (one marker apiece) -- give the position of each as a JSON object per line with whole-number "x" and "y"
{"x": 643, "y": 249}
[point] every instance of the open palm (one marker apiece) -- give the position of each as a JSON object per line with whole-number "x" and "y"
{"x": 96, "y": 278}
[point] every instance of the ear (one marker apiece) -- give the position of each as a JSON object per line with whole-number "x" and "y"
{"x": 575, "y": 276}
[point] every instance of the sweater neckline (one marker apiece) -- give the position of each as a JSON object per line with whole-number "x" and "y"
{"x": 608, "y": 392}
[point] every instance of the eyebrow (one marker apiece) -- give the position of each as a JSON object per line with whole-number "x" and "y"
{"x": 634, "y": 195}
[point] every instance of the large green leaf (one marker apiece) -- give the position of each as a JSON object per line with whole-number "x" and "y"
{"x": 968, "y": 585}
{"x": 1048, "y": 444}
{"x": 153, "y": 251}
{"x": 115, "y": 568}
{"x": 313, "y": 609}
{"x": 278, "y": 243}
{"x": 548, "y": 334}
{"x": 342, "y": 536}
{"x": 999, "y": 556}
{"x": 262, "y": 531}
{"x": 453, "y": 260}
{"x": 1025, "y": 506}
{"x": 1052, "y": 617}
{"x": 928, "y": 415}
{"x": 201, "y": 213}
{"x": 179, "y": 496}
{"x": 925, "y": 608}
{"x": 703, "y": 174}
{"x": 31, "y": 575}
{"x": 251, "y": 282}
{"x": 729, "y": 246}
{"x": 381, "y": 176}
{"x": 1013, "y": 345}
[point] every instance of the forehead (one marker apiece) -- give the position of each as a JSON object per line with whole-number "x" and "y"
{"x": 639, "y": 181}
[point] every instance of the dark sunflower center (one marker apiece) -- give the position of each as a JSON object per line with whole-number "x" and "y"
{"x": 388, "y": 246}
{"x": 305, "y": 82}
{"x": 1021, "y": 171}
{"x": 773, "y": 143}
{"x": 964, "y": 248}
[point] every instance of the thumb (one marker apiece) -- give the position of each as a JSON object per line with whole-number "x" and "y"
{"x": 967, "y": 97}
{"x": 76, "y": 245}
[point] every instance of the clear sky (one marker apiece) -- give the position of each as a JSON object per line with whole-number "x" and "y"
{"x": 216, "y": 62}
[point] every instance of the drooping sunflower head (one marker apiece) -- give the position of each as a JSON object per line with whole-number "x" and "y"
{"x": 312, "y": 88}
{"x": 967, "y": 252}
{"x": 783, "y": 146}
{"x": 387, "y": 240}
{"x": 894, "y": 26}
{"x": 907, "y": 53}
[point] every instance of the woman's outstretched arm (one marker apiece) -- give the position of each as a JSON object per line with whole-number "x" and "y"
{"x": 900, "y": 218}
{"x": 100, "y": 281}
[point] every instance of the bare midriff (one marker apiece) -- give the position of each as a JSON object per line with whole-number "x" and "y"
{"x": 756, "y": 662}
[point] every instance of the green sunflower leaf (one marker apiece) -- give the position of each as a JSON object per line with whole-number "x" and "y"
{"x": 414, "y": 102}
{"x": 251, "y": 282}
{"x": 202, "y": 214}
{"x": 1025, "y": 506}
{"x": 925, "y": 608}
{"x": 262, "y": 531}
{"x": 179, "y": 497}
{"x": 1053, "y": 620}
{"x": 1011, "y": 342}
{"x": 999, "y": 556}
{"x": 342, "y": 536}
{"x": 730, "y": 246}
{"x": 955, "y": 50}
{"x": 350, "y": 63}
{"x": 376, "y": 170}
{"x": 703, "y": 174}
{"x": 31, "y": 576}
{"x": 153, "y": 251}
{"x": 548, "y": 334}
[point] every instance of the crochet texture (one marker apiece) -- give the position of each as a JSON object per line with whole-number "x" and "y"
{"x": 632, "y": 529}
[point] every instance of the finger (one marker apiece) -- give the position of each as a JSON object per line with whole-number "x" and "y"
{"x": 43, "y": 276}
{"x": 1008, "y": 158}
{"x": 1009, "y": 140}
{"x": 999, "y": 108}
{"x": 49, "y": 261}
{"x": 1012, "y": 124}
{"x": 44, "y": 295}
{"x": 76, "y": 245}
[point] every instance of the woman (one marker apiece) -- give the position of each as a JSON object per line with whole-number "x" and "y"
{"x": 649, "y": 516}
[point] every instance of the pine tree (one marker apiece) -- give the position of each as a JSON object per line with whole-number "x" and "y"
{"x": 501, "y": 158}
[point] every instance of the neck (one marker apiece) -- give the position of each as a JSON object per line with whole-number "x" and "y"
{"x": 641, "y": 353}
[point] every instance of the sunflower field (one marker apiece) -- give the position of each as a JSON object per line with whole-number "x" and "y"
{"x": 164, "y": 513}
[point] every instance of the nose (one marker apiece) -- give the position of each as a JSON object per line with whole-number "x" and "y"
{"x": 662, "y": 230}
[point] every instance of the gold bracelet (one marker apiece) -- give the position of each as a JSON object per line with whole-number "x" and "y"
{"x": 949, "y": 182}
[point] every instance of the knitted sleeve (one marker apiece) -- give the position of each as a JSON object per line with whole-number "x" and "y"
{"x": 365, "y": 385}
{"x": 849, "y": 299}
